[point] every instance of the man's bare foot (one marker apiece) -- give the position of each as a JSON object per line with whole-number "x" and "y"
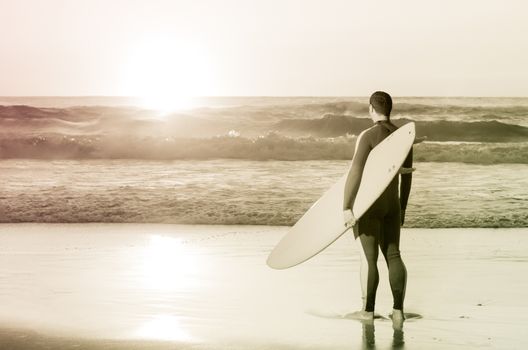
{"x": 361, "y": 315}
{"x": 397, "y": 317}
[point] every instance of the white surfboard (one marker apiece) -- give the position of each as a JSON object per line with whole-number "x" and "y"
{"x": 323, "y": 223}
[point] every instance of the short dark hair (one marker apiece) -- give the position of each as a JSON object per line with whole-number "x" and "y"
{"x": 382, "y": 102}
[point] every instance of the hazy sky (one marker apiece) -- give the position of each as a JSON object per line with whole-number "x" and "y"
{"x": 283, "y": 47}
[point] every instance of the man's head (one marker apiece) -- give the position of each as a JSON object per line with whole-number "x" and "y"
{"x": 381, "y": 103}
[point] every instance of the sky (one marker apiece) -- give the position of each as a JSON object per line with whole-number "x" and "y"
{"x": 263, "y": 48}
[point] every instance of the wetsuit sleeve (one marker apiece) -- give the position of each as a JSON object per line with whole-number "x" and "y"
{"x": 361, "y": 153}
{"x": 406, "y": 179}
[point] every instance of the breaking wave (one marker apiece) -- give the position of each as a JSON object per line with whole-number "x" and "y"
{"x": 272, "y": 146}
{"x": 280, "y": 131}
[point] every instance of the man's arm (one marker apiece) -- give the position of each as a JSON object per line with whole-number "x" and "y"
{"x": 405, "y": 185}
{"x": 356, "y": 171}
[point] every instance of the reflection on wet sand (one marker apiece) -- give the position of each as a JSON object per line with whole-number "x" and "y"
{"x": 369, "y": 337}
{"x": 398, "y": 341}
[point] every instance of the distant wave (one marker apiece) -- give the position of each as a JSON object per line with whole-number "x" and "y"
{"x": 100, "y": 121}
{"x": 244, "y": 132}
{"x": 481, "y": 131}
{"x": 272, "y": 146}
{"x": 317, "y": 120}
{"x": 477, "y": 153}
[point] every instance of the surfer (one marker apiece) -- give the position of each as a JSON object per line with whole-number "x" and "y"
{"x": 380, "y": 225}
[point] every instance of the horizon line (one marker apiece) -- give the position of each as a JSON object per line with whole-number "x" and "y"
{"x": 269, "y": 96}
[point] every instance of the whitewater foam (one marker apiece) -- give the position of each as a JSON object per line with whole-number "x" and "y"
{"x": 228, "y": 191}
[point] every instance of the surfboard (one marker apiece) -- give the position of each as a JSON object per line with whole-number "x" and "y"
{"x": 323, "y": 223}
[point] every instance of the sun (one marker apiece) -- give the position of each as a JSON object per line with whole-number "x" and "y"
{"x": 166, "y": 73}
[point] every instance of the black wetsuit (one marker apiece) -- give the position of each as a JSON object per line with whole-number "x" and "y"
{"x": 380, "y": 225}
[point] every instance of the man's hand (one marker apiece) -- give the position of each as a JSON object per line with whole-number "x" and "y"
{"x": 406, "y": 170}
{"x": 349, "y": 218}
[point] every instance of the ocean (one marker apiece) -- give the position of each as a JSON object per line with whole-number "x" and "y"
{"x": 251, "y": 160}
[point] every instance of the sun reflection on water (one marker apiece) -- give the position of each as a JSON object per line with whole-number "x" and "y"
{"x": 164, "y": 327}
{"x": 169, "y": 264}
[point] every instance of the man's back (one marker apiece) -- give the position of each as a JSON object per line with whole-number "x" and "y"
{"x": 379, "y": 228}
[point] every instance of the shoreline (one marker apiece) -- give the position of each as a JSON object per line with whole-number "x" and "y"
{"x": 167, "y": 224}
{"x": 226, "y": 193}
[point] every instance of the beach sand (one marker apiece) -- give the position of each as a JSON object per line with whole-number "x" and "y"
{"x": 154, "y": 286}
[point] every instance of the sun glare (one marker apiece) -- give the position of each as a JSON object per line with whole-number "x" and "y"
{"x": 165, "y": 74}
{"x": 170, "y": 265}
{"x": 164, "y": 327}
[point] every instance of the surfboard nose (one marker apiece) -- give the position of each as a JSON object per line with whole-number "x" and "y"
{"x": 276, "y": 259}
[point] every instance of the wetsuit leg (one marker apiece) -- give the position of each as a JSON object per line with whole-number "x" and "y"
{"x": 390, "y": 247}
{"x": 368, "y": 236}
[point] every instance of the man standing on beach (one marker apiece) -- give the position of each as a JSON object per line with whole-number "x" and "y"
{"x": 380, "y": 225}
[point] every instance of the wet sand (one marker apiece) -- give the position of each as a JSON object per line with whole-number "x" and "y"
{"x": 144, "y": 286}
